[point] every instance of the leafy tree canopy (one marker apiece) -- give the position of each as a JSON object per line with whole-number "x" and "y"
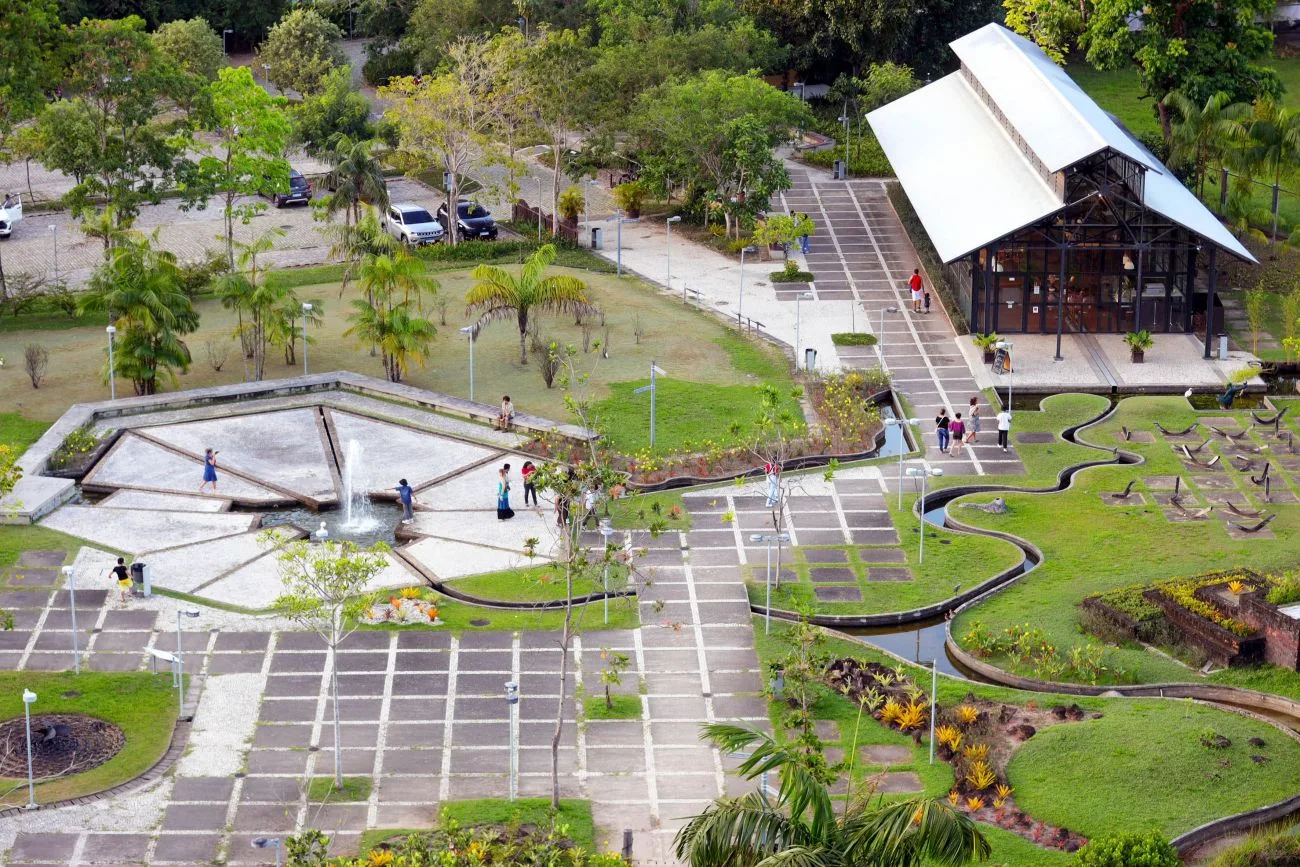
{"x": 301, "y": 50}
{"x": 192, "y": 46}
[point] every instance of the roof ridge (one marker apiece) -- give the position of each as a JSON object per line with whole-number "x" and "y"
{"x": 1006, "y": 35}
{"x": 1020, "y": 154}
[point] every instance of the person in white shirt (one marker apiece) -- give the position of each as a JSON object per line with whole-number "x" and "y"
{"x": 1004, "y": 427}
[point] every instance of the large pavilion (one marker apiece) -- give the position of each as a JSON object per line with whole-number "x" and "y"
{"x": 1050, "y": 216}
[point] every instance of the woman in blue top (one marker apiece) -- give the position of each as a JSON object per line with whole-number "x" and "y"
{"x": 504, "y": 511}
{"x": 209, "y": 470}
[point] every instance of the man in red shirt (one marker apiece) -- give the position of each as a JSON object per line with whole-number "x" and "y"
{"x": 915, "y": 285}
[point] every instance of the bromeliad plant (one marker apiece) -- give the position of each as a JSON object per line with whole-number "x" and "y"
{"x": 799, "y": 824}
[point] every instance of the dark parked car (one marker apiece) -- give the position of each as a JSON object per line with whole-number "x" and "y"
{"x": 299, "y": 191}
{"x": 473, "y": 221}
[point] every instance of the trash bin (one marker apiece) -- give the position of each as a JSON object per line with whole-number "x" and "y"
{"x": 809, "y": 359}
{"x": 140, "y": 578}
{"x": 839, "y": 170}
{"x": 1223, "y": 347}
{"x": 597, "y": 239}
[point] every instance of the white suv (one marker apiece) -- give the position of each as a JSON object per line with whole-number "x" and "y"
{"x": 11, "y": 211}
{"x": 413, "y": 224}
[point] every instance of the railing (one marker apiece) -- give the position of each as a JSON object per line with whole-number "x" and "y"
{"x": 749, "y": 326}
{"x": 525, "y": 214}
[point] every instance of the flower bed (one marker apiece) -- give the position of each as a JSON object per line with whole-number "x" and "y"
{"x": 406, "y": 609}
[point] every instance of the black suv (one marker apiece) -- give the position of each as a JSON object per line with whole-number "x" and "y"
{"x": 473, "y": 221}
{"x": 299, "y": 191}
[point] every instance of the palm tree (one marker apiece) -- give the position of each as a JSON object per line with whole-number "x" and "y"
{"x": 1202, "y": 133}
{"x": 143, "y": 292}
{"x": 799, "y": 826}
{"x": 358, "y": 177}
{"x": 391, "y": 315}
{"x": 1273, "y": 144}
{"x": 498, "y": 294}
{"x": 105, "y": 227}
{"x": 253, "y": 299}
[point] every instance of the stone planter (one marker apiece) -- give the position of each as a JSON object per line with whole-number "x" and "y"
{"x": 1137, "y": 356}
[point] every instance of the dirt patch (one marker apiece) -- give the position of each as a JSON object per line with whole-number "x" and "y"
{"x": 62, "y": 744}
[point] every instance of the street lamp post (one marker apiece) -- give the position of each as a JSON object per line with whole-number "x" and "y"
{"x": 54, "y": 230}
{"x": 70, "y": 575}
{"x": 619, "y": 219}
{"x": 1009, "y": 368}
{"x": 902, "y": 435}
{"x": 224, "y": 34}
{"x": 306, "y": 311}
{"x": 802, "y": 296}
{"x": 512, "y": 699}
{"x": 769, "y": 538}
{"x": 923, "y": 473}
{"x": 268, "y": 843}
{"x": 180, "y": 654}
{"x": 668, "y": 255}
{"x": 112, "y": 372}
{"x": 472, "y": 332}
{"x": 607, "y": 531}
{"x": 28, "y": 698}
{"x": 844, "y": 119}
{"x": 934, "y": 698}
{"x": 880, "y": 338}
{"x": 740, "y": 302}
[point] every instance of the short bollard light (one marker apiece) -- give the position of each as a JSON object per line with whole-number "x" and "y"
{"x": 268, "y": 843}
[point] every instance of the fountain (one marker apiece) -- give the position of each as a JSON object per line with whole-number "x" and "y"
{"x": 358, "y": 512}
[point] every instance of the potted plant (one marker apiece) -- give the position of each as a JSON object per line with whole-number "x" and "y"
{"x": 988, "y": 343}
{"x": 1138, "y": 343}
{"x": 630, "y": 196}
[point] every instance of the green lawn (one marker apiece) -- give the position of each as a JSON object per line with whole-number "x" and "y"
{"x": 14, "y": 539}
{"x": 142, "y": 705}
{"x": 1091, "y": 546}
{"x": 459, "y": 617}
{"x": 574, "y": 814}
{"x": 18, "y": 432}
{"x": 625, "y": 707}
{"x": 1142, "y": 766}
{"x": 543, "y": 583}
{"x": 354, "y": 789}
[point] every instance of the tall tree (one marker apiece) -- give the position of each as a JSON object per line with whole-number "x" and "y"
{"x": 324, "y": 587}
{"x": 193, "y": 46}
{"x": 142, "y": 290}
{"x": 254, "y": 299}
{"x": 1202, "y": 133}
{"x": 1196, "y": 47}
{"x": 800, "y": 826}
{"x": 252, "y": 129}
{"x": 1272, "y": 145}
{"x": 358, "y": 180}
{"x": 338, "y": 112}
{"x": 391, "y": 316}
{"x": 498, "y": 294}
{"x": 301, "y": 50}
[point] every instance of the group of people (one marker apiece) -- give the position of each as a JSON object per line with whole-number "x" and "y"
{"x": 955, "y": 432}
{"x": 504, "y": 512}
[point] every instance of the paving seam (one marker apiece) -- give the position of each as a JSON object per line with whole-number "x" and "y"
{"x": 496, "y": 455}
{"x": 449, "y": 718}
{"x": 706, "y": 687}
{"x": 381, "y": 739}
{"x": 902, "y": 307}
{"x": 98, "y": 629}
{"x": 36, "y": 630}
{"x": 310, "y": 502}
{"x": 329, "y": 443}
{"x": 647, "y": 740}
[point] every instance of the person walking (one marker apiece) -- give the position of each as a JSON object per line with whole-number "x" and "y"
{"x": 504, "y": 512}
{"x": 973, "y": 420}
{"x": 209, "y": 470}
{"x": 589, "y": 501}
{"x": 916, "y": 285}
{"x": 957, "y": 430}
{"x": 404, "y": 496}
{"x": 123, "y": 579}
{"x": 941, "y": 423}
{"x": 1004, "y": 427}
{"x": 803, "y": 239}
{"x": 772, "y": 471}
{"x": 529, "y": 488}
{"x": 927, "y": 301}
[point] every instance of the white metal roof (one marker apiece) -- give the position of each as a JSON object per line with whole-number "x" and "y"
{"x": 967, "y": 181}
{"x": 1058, "y": 121}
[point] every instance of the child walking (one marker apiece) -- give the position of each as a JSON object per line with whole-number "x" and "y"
{"x": 957, "y": 430}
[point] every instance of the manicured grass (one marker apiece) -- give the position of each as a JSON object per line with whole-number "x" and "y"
{"x": 15, "y": 538}
{"x": 142, "y": 705}
{"x": 689, "y": 416}
{"x": 1142, "y": 765}
{"x": 18, "y": 432}
{"x": 635, "y": 511}
{"x": 354, "y": 789}
{"x": 691, "y": 345}
{"x": 1091, "y": 546}
{"x": 1012, "y": 850}
{"x": 574, "y": 815}
{"x": 544, "y": 583}
{"x": 458, "y": 617}
{"x": 625, "y": 707}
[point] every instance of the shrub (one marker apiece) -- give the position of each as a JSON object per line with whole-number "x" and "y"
{"x": 791, "y": 274}
{"x": 631, "y": 196}
{"x": 853, "y": 338}
{"x": 569, "y": 203}
{"x": 1128, "y": 850}
{"x": 36, "y": 359}
{"x": 1287, "y": 590}
{"x": 75, "y": 448}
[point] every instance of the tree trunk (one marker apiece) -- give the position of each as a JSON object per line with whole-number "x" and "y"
{"x": 338, "y": 746}
{"x": 1166, "y": 129}
{"x": 523, "y": 338}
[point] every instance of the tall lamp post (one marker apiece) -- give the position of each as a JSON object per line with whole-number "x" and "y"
{"x": 769, "y": 538}
{"x": 224, "y": 34}
{"x": 923, "y": 473}
{"x": 180, "y": 654}
{"x": 740, "y": 302}
{"x": 606, "y": 530}
{"x": 306, "y": 311}
{"x": 1008, "y": 368}
{"x": 54, "y": 230}
{"x": 70, "y": 575}
{"x": 802, "y": 296}
{"x": 880, "y": 338}
{"x": 28, "y": 698}
{"x": 844, "y": 119}
{"x": 112, "y": 372}
{"x": 668, "y": 255}
{"x": 472, "y": 332}
{"x": 902, "y": 425}
{"x": 620, "y": 219}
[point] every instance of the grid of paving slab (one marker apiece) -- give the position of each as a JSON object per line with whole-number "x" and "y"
{"x": 862, "y": 254}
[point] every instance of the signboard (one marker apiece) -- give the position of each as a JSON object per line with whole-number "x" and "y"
{"x": 1002, "y": 361}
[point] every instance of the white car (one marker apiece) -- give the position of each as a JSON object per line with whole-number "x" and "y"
{"x": 413, "y": 224}
{"x": 11, "y": 211}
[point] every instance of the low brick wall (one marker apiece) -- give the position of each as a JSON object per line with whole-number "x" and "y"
{"x": 1281, "y": 633}
{"x": 1219, "y": 644}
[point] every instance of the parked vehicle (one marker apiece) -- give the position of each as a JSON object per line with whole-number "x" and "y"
{"x": 11, "y": 211}
{"x": 412, "y": 224}
{"x": 299, "y": 191}
{"x": 473, "y": 221}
